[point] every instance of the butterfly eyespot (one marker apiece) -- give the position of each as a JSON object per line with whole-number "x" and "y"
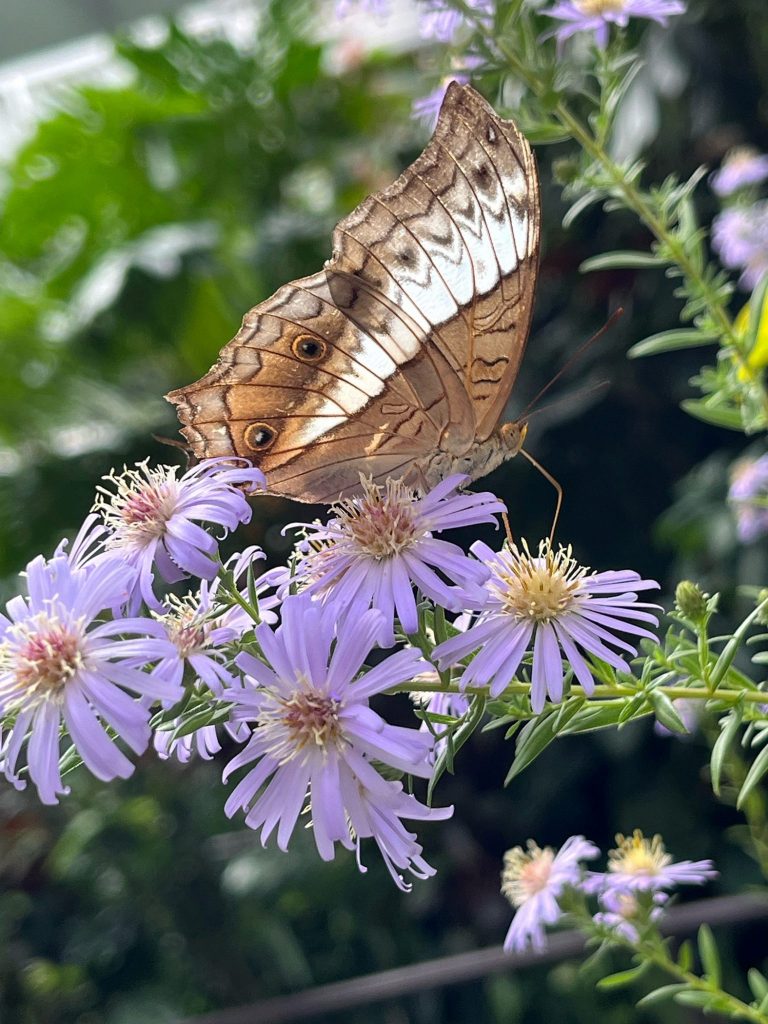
{"x": 258, "y": 436}
{"x": 308, "y": 349}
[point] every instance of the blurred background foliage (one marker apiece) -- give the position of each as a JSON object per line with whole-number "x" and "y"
{"x": 140, "y": 219}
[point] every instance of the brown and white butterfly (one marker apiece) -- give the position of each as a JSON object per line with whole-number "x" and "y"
{"x": 397, "y": 359}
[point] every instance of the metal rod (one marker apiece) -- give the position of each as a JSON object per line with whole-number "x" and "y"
{"x": 463, "y": 967}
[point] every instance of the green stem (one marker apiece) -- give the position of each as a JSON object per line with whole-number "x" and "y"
{"x": 600, "y": 692}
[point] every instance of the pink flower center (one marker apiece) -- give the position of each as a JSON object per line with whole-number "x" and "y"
{"x": 526, "y": 872}
{"x": 382, "y": 522}
{"x": 48, "y": 656}
{"x": 137, "y": 512}
{"x": 305, "y": 721}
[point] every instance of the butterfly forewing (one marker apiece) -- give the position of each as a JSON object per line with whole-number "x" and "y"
{"x": 408, "y": 343}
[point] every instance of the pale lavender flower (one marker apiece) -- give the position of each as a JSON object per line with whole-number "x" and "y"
{"x": 639, "y": 864}
{"x": 440, "y": 21}
{"x": 627, "y": 913}
{"x": 153, "y": 518}
{"x": 315, "y": 737}
{"x": 554, "y": 606}
{"x": 379, "y": 545}
{"x": 742, "y": 167}
{"x": 748, "y": 495}
{"x": 196, "y": 630}
{"x": 598, "y": 15}
{"x": 379, "y": 9}
{"x": 534, "y": 880}
{"x": 58, "y": 662}
{"x": 740, "y": 238}
{"x": 427, "y": 108}
{"x": 203, "y": 742}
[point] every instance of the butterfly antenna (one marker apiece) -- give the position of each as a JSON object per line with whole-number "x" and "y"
{"x": 558, "y": 489}
{"x": 508, "y": 529}
{"x": 172, "y": 442}
{"x": 612, "y": 319}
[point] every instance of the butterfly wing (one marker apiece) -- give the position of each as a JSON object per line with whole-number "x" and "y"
{"x": 407, "y": 343}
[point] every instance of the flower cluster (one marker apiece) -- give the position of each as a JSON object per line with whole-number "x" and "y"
{"x": 631, "y": 894}
{"x": 598, "y": 15}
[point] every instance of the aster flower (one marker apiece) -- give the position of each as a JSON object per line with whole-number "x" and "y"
{"x": 153, "y": 518}
{"x": 639, "y": 864}
{"x": 740, "y": 238}
{"x": 597, "y": 15}
{"x": 627, "y": 913}
{"x": 534, "y": 880}
{"x": 742, "y": 167}
{"x": 203, "y": 742}
{"x": 427, "y": 108}
{"x": 380, "y": 544}
{"x": 554, "y": 606}
{"x": 440, "y": 21}
{"x": 748, "y": 495}
{"x": 315, "y": 737}
{"x": 380, "y": 9}
{"x": 58, "y": 662}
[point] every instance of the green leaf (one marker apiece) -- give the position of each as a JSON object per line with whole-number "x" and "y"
{"x": 623, "y": 978}
{"x": 659, "y": 994}
{"x": 665, "y": 712}
{"x": 719, "y": 416}
{"x": 534, "y": 738}
{"x": 685, "y": 955}
{"x": 693, "y": 997}
{"x": 710, "y": 957}
{"x": 624, "y": 259}
{"x": 754, "y": 775}
{"x": 670, "y": 341}
{"x": 758, "y": 983}
{"x": 729, "y": 728}
{"x": 595, "y": 715}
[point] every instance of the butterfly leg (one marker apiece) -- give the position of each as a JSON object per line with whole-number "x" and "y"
{"x": 558, "y": 489}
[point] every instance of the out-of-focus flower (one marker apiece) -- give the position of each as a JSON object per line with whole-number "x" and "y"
{"x": 58, "y": 662}
{"x": 379, "y": 545}
{"x": 380, "y": 9}
{"x": 441, "y": 21}
{"x": 748, "y": 495}
{"x": 639, "y": 864}
{"x": 743, "y": 166}
{"x": 598, "y": 15}
{"x": 533, "y": 880}
{"x": 740, "y": 238}
{"x": 626, "y": 913}
{"x": 556, "y": 607}
{"x": 689, "y": 711}
{"x": 315, "y": 737}
{"x": 153, "y": 518}
{"x": 427, "y": 108}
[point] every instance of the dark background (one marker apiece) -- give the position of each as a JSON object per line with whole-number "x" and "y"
{"x": 140, "y": 220}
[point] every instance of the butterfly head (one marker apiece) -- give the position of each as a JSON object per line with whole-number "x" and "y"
{"x": 512, "y": 436}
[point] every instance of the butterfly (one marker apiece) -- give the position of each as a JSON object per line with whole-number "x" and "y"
{"x": 398, "y": 357}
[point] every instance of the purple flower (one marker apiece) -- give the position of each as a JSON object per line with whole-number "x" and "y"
{"x": 627, "y": 913}
{"x": 153, "y": 518}
{"x": 57, "y": 662}
{"x": 555, "y": 607}
{"x": 441, "y": 21}
{"x": 196, "y": 630}
{"x": 740, "y": 238}
{"x": 597, "y": 15}
{"x": 203, "y": 741}
{"x": 380, "y": 9}
{"x": 533, "y": 881}
{"x": 748, "y": 494}
{"x": 315, "y": 738}
{"x": 639, "y": 864}
{"x": 742, "y": 167}
{"x": 428, "y": 107}
{"x": 380, "y": 544}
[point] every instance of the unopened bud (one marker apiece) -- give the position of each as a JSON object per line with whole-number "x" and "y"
{"x": 691, "y": 600}
{"x": 762, "y": 617}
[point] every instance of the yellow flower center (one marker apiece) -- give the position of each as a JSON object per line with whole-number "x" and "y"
{"x": 600, "y": 6}
{"x": 526, "y": 872}
{"x": 538, "y": 588}
{"x": 636, "y": 855}
{"x": 381, "y": 522}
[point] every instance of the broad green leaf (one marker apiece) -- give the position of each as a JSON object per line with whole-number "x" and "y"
{"x": 665, "y": 712}
{"x": 754, "y": 775}
{"x": 718, "y": 416}
{"x": 659, "y": 994}
{"x": 623, "y": 978}
{"x": 758, "y": 983}
{"x": 729, "y": 728}
{"x": 535, "y": 738}
{"x": 710, "y": 957}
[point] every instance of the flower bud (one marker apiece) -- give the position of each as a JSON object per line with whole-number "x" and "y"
{"x": 691, "y": 600}
{"x": 762, "y": 616}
